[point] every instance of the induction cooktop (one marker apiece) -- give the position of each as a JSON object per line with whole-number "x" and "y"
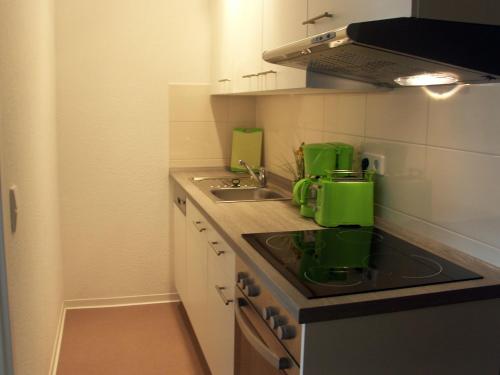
{"x": 349, "y": 260}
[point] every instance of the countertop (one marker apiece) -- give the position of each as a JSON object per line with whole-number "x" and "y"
{"x": 234, "y": 219}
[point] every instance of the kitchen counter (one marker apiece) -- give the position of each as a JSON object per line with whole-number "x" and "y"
{"x": 234, "y": 219}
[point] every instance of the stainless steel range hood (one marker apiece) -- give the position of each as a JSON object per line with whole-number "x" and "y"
{"x": 396, "y": 52}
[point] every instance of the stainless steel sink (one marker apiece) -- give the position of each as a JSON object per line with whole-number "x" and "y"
{"x": 230, "y": 189}
{"x": 247, "y": 194}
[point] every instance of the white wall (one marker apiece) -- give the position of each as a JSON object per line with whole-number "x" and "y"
{"x": 29, "y": 160}
{"x": 443, "y": 156}
{"x": 115, "y": 59}
{"x": 201, "y": 125}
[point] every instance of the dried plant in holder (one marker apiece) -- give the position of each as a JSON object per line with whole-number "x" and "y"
{"x": 296, "y": 169}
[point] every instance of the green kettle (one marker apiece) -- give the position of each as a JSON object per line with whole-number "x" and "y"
{"x": 305, "y": 197}
{"x": 319, "y": 160}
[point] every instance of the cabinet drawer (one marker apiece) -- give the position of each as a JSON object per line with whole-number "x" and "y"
{"x": 196, "y": 222}
{"x": 221, "y": 288}
{"x": 221, "y": 255}
{"x": 220, "y": 351}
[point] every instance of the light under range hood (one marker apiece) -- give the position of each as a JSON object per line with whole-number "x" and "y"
{"x": 396, "y": 52}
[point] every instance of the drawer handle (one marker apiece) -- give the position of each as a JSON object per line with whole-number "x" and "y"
{"x": 219, "y": 290}
{"x": 249, "y": 75}
{"x": 224, "y": 80}
{"x": 197, "y": 224}
{"x": 312, "y": 21}
{"x": 267, "y": 72}
{"x": 212, "y": 245}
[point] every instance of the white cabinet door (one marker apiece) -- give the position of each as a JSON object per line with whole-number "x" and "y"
{"x": 210, "y": 268}
{"x": 348, "y": 11}
{"x": 221, "y": 268}
{"x": 180, "y": 252}
{"x": 196, "y": 282}
{"x": 224, "y": 21}
{"x": 247, "y": 34}
{"x": 282, "y": 24}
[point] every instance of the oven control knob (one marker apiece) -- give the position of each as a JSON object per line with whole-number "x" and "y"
{"x": 277, "y": 320}
{"x": 269, "y": 311}
{"x": 243, "y": 283}
{"x": 251, "y": 290}
{"x": 240, "y": 276}
{"x": 286, "y": 332}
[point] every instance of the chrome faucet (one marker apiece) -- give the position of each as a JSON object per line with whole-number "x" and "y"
{"x": 261, "y": 178}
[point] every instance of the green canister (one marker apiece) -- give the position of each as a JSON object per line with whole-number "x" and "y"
{"x": 319, "y": 158}
{"x": 345, "y": 155}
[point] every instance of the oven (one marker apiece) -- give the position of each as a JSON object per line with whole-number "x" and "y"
{"x": 267, "y": 338}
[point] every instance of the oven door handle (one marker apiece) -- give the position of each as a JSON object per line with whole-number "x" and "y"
{"x": 275, "y": 360}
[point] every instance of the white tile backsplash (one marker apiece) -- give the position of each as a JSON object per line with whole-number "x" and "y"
{"x": 194, "y": 103}
{"x": 198, "y": 140}
{"x": 465, "y": 193}
{"x": 201, "y": 125}
{"x": 405, "y": 186}
{"x": 277, "y": 110}
{"x": 310, "y": 136}
{"x": 399, "y": 115}
{"x": 470, "y": 120}
{"x": 434, "y": 184}
{"x": 241, "y": 110}
{"x": 310, "y": 111}
{"x": 354, "y": 140}
{"x": 278, "y": 148}
{"x": 345, "y": 113}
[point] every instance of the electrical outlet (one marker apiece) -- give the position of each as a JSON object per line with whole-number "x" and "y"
{"x": 374, "y": 161}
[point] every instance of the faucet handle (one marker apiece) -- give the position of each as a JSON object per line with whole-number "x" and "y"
{"x": 262, "y": 176}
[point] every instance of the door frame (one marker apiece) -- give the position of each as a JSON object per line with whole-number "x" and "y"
{"x": 6, "y": 364}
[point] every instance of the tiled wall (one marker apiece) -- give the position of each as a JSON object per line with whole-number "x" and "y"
{"x": 201, "y": 125}
{"x": 442, "y": 156}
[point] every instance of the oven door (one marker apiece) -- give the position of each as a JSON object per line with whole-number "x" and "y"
{"x": 257, "y": 349}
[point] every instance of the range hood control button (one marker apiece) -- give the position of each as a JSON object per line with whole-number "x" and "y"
{"x": 240, "y": 276}
{"x": 243, "y": 283}
{"x": 277, "y": 320}
{"x": 286, "y": 332}
{"x": 251, "y": 290}
{"x": 268, "y": 312}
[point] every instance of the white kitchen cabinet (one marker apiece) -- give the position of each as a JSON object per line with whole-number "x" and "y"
{"x": 347, "y": 11}
{"x": 196, "y": 272}
{"x": 244, "y": 29}
{"x": 247, "y": 34}
{"x": 221, "y": 268}
{"x": 224, "y": 15}
{"x": 282, "y": 24}
{"x": 180, "y": 251}
{"x": 209, "y": 301}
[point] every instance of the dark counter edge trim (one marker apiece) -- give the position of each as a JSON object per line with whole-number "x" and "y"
{"x": 391, "y": 305}
{"x": 352, "y": 310}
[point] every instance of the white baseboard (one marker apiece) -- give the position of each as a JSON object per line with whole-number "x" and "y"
{"x": 99, "y": 303}
{"x": 120, "y": 301}
{"x": 57, "y": 343}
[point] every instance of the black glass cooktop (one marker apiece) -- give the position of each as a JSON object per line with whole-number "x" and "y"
{"x": 339, "y": 261}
